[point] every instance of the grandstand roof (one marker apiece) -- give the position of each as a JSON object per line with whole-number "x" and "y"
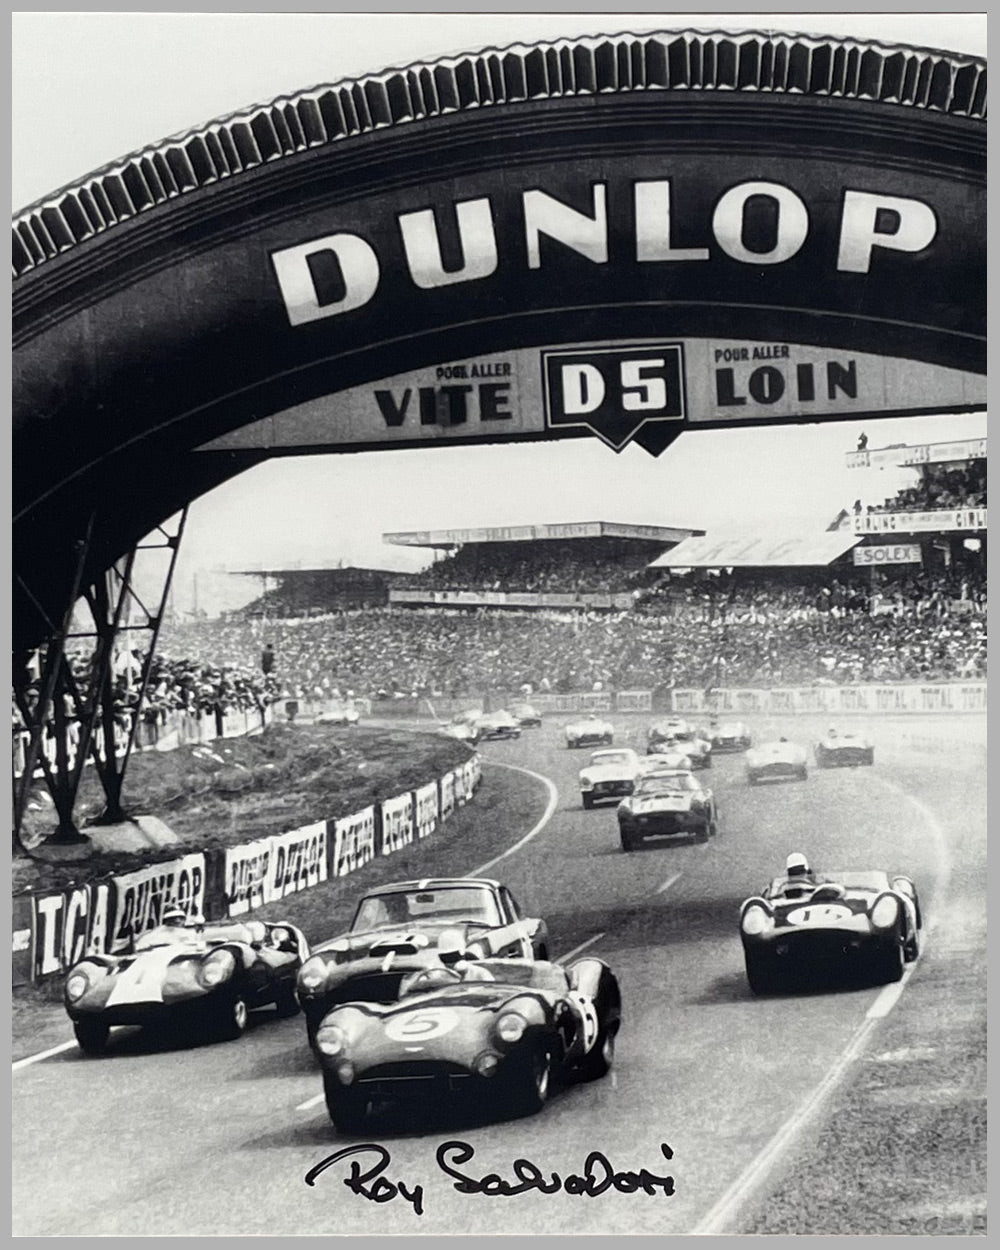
{"x": 538, "y": 533}
{"x": 769, "y": 551}
{"x": 296, "y": 570}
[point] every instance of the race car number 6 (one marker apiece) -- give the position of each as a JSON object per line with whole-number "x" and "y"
{"x": 422, "y": 1025}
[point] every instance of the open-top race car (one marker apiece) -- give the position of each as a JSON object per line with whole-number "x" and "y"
{"x": 844, "y": 750}
{"x": 802, "y": 924}
{"x": 667, "y": 805}
{"x": 675, "y": 734}
{"x": 776, "y": 759}
{"x": 210, "y": 975}
{"x": 498, "y": 725}
{"x": 590, "y": 732}
{"x": 503, "y": 1030}
{"x": 731, "y": 736}
{"x": 411, "y": 925}
{"x": 345, "y": 714}
{"x": 526, "y": 716}
{"x": 665, "y": 761}
{"x": 610, "y": 774}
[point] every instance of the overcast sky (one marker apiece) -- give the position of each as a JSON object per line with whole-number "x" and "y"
{"x": 90, "y": 87}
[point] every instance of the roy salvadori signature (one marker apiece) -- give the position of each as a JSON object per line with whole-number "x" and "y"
{"x": 368, "y": 1164}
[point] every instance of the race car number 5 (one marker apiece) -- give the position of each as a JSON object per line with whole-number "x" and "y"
{"x": 421, "y": 1025}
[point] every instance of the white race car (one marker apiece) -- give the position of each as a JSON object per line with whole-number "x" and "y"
{"x": 665, "y": 761}
{"x": 590, "y": 732}
{"x": 609, "y": 775}
{"x": 776, "y": 759}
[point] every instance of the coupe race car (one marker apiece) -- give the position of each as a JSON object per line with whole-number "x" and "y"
{"x": 731, "y": 736}
{"x": 835, "y": 922}
{"x": 345, "y": 714}
{"x": 844, "y": 750}
{"x": 609, "y": 775}
{"x": 776, "y": 760}
{"x": 526, "y": 716}
{"x": 184, "y": 972}
{"x": 503, "y": 1030}
{"x": 667, "y": 804}
{"x": 498, "y": 725}
{"x": 675, "y": 734}
{"x": 590, "y": 732}
{"x": 411, "y": 925}
{"x": 464, "y": 727}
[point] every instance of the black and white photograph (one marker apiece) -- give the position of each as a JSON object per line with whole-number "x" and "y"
{"x": 498, "y": 623}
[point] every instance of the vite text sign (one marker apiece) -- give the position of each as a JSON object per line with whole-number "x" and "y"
{"x": 615, "y": 390}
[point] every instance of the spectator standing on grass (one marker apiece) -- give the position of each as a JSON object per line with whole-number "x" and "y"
{"x": 267, "y": 659}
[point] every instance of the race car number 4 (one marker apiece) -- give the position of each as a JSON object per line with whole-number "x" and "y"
{"x": 433, "y": 1022}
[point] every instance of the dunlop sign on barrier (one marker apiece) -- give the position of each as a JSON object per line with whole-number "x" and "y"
{"x": 271, "y": 868}
{"x": 426, "y": 804}
{"x": 397, "y": 823}
{"x": 141, "y": 897}
{"x": 939, "y": 698}
{"x": 247, "y": 872}
{"x": 354, "y": 841}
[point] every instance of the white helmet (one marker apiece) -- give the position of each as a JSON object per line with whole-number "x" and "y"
{"x": 796, "y": 865}
{"x": 173, "y": 916}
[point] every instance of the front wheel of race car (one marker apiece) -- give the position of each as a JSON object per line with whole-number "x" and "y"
{"x": 887, "y": 964}
{"x": 588, "y": 801}
{"x": 347, "y": 1107}
{"x": 761, "y": 976}
{"x": 231, "y": 1018}
{"x": 91, "y": 1036}
{"x": 704, "y": 833}
{"x": 599, "y": 1061}
{"x": 529, "y": 1080}
{"x": 285, "y": 1002}
{"x": 629, "y": 843}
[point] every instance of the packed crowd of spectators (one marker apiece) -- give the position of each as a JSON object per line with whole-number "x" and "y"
{"x": 940, "y": 486}
{"x": 311, "y": 592}
{"x": 579, "y": 565}
{"x": 745, "y": 629}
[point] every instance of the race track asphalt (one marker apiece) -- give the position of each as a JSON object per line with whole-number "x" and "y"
{"x": 217, "y": 1139}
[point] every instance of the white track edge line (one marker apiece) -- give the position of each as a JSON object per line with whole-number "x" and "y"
{"x": 546, "y": 816}
{"x": 310, "y": 1103}
{"x": 42, "y": 1054}
{"x": 662, "y": 889}
{"x": 733, "y": 1198}
{"x": 582, "y": 947}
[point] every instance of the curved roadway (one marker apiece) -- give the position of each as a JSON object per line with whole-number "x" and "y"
{"x": 218, "y": 1139}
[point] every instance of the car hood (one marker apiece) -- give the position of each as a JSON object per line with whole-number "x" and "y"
{"x": 802, "y": 914}
{"x": 588, "y": 726}
{"x": 605, "y": 772}
{"x": 778, "y": 753}
{"x": 682, "y": 801}
{"x": 403, "y": 939}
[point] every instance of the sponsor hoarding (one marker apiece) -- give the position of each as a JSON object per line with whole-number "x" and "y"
{"x": 887, "y": 553}
{"x": 939, "y": 519}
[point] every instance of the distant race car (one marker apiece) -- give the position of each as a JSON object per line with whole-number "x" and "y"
{"x": 610, "y": 774}
{"x": 844, "y": 750}
{"x": 498, "y": 725}
{"x": 665, "y": 761}
{"x": 345, "y": 714}
{"x": 867, "y": 921}
{"x": 667, "y": 805}
{"x": 464, "y": 727}
{"x": 776, "y": 759}
{"x": 526, "y": 716}
{"x": 675, "y": 734}
{"x": 210, "y": 975}
{"x": 410, "y": 925}
{"x": 731, "y": 736}
{"x": 499, "y": 1030}
{"x": 590, "y": 732}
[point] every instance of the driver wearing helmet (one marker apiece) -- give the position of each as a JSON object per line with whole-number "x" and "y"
{"x": 174, "y": 918}
{"x": 799, "y": 878}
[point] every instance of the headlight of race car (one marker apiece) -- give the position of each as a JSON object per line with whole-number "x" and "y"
{"x": 755, "y": 920}
{"x": 78, "y": 981}
{"x": 885, "y": 913}
{"x": 510, "y": 1027}
{"x": 331, "y": 1039}
{"x": 217, "y": 967}
{"x": 586, "y": 779}
{"x": 312, "y": 974}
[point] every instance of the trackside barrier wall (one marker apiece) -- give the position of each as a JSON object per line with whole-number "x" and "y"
{"x": 52, "y": 930}
{"x": 944, "y": 697}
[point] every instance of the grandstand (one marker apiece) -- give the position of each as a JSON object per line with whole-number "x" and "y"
{"x": 589, "y": 565}
{"x": 291, "y": 593}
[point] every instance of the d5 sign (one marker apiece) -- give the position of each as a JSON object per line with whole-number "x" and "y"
{"x": 615, "y": 391}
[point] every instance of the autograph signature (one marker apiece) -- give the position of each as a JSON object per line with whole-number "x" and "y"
{"x": 598, "y": 1176}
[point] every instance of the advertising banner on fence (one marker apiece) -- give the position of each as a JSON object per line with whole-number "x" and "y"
{"x": 945, "y": 697}
{"x": 298, "y": 860}
{"x": 936, "y": 521}
{"x": 69, "y": 925}
{"x": 447, "y": 795}
{"x": 887, "y": 553}
{"x": 140, "y": 897}
{"x": 22, "y": 929}
{"x": 426, "y": 802}
{"x": 247, "y": 876}
{"x": 353, "y": 841}
{"x": 397, "y": 823}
